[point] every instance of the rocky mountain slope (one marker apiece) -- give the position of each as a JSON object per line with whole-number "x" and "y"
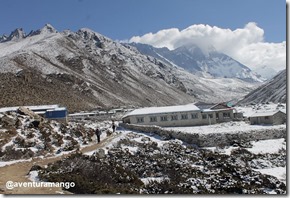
{"x": 84, "y": 70}
{"x": 272, "y": 91}
{"x": 194, "y": 59}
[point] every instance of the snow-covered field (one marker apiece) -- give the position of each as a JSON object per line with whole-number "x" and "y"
{"x": 227, "y": 127}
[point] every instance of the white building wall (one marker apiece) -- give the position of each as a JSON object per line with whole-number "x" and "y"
{"x": 222, "y": 118}
{"x": 181, "y": 119}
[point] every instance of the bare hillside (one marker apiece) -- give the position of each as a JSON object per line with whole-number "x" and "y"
{"x": 272, "y": 91}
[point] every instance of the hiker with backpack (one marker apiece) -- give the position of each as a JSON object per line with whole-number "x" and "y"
{"x": 98, "y": 134}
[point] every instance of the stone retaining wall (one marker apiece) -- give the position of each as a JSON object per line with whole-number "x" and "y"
{"x": 211, "y": 139}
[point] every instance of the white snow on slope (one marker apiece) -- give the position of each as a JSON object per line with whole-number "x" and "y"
{"x": 227, "y": 127}
{"x": 267, "y": 146}
{"x": 279, "y": 172}
{"x": 13, "y": 162}
{"x": 7, "y": 48}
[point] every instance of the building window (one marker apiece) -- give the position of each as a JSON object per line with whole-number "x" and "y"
{"x": 184, "y": 117}
{"x": 204, "y": 116}
{"x": 226, "y": 115}
{"x": 194, "y": 115}
{"x": 266, "y": 117}
{"x": 174, "y": 117}
{"x": 153, "y": 119}
{"x": 210, "y": 115}
{"x": 140, "y": 120}
{"x": 163, "y": 118}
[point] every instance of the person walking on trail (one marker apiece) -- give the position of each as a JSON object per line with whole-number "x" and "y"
{"x": 113, "y": 126}
{"x": 98, "y": 134}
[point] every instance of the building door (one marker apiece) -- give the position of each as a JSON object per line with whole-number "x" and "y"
{"x": 217, "y": 116}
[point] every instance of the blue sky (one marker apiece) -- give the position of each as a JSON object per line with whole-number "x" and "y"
{"x": 122, "y": 19}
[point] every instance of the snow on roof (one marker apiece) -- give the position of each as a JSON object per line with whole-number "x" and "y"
{"x": 82, "y": 114}
{"x": 6, "y": 109}
{"x": 41, "y": 107}
{"x": 265, "y": 113}
{"x": 166, "y": 109}
{"x": 57, "y": 109}
{"x": 32, "y": 108}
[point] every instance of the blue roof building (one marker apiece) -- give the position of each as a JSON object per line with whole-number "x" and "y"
{"x": 56, "y": 114}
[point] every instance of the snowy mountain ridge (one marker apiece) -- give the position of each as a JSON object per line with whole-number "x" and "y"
{"x": 94, "y": 70}
{"x": 203, "y": 62}
{"x": 19, "y": 33}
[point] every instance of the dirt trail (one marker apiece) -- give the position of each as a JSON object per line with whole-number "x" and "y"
{"x": 18, "y": 172}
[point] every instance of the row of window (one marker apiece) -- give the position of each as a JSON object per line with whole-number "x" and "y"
{"x": 183, "y": 117}
{"x": 174, "y": 117}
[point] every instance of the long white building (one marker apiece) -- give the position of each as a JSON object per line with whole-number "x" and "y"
{"x": 181, "y": 115}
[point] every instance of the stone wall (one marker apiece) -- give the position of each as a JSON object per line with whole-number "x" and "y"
{"x": 211, "y": 139}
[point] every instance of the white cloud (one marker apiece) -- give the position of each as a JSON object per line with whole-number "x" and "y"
{"x": 246, "y": 45}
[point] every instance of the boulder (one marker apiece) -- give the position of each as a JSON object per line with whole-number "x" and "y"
{"x": 26, "y": 111}
{"x": 7, "y": 121}
{"x": 100, "y": 153}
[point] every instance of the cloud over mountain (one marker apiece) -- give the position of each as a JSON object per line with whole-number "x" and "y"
{"x": 247, "y": 45}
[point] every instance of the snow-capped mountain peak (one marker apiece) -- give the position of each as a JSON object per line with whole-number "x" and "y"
{"x": 89, "y": 34}
{"x": 3, "y": 38}
{"x": 47, "y": 29}
{"x": 16, "y": 35}
{"x": 202, "y": 60}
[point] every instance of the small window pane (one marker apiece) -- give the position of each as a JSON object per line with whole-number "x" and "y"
{"x": 139, "y": 120}
{"x": 174, "y": 117}
{"x": 184, "y": 117}
{"x": 194, "y": 116}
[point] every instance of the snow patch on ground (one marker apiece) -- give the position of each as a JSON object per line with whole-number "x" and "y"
{"x": 33, "y": 176}
{"x": 13, "y": 162}
{"x": 279, "y": 172}
{"x": 267, "y": 146}
{"x": 147, "y": 180}
{"x": 227, "y": 127}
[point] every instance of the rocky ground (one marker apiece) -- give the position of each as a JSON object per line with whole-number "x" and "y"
{"x": 20, "y": 172}
{"x": 137, "y": 164}
{"x": 130, "y": 162}
{"x": 24, "y": 136}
